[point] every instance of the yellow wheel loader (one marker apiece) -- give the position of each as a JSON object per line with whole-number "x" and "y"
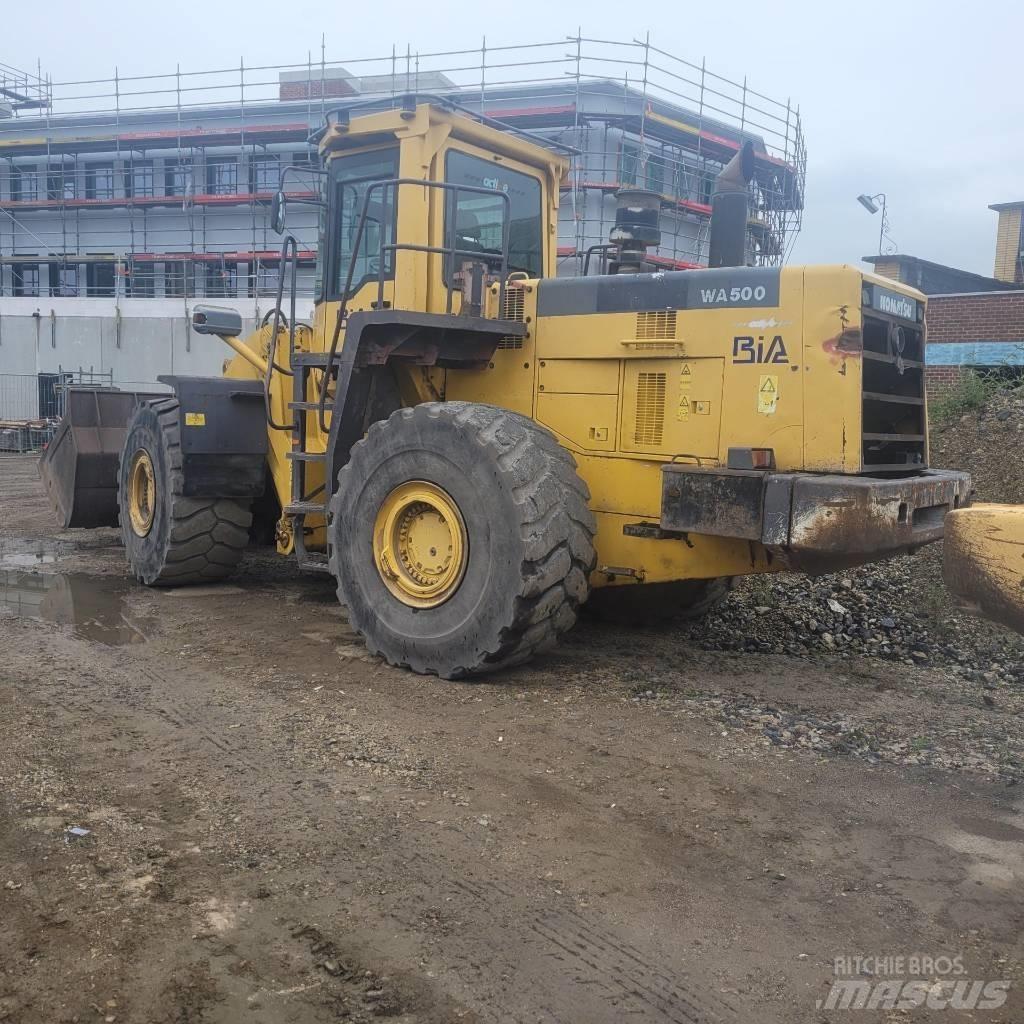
{"x": 473, "y": 446}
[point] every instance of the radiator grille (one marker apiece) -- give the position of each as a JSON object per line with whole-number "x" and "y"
{"x": 650, "y": 409}
{"x": 656, "y": 324}
{"x": 893, "y": 432}
{"x": 513, "y": 307}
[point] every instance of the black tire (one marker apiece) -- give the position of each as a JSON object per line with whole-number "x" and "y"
{"x": 657, "y": 604}
{"x": 529, "y": 532}
{"x": 191, "y": 540}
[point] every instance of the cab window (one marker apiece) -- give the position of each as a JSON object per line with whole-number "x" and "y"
{"x": 351, "y": 178}
{"x": 477, "y": 220}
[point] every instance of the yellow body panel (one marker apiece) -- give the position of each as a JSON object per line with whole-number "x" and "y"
{"x": 626, "y": 391}
{"x": 984, "y": 560}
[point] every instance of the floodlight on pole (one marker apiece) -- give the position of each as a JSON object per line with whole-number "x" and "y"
{"x": 871, "y": 204}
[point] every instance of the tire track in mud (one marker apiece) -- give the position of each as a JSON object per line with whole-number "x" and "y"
{"x": 569, "y": 959}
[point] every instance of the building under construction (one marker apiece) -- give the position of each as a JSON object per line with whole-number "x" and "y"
{"x": 160, "y": 186}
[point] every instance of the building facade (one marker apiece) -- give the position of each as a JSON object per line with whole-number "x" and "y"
{"x": 172, "y": 200}
{"x": 123, "y": 201}
{"x": 1009, "y": 262}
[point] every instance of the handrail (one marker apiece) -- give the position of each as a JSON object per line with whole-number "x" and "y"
{"x": 289, "y": 242}
{"x": 450, "y": 252}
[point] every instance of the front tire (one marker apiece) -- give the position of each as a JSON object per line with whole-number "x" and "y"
{"x": 460, "y": 538}
{"x": 172, "y": 540}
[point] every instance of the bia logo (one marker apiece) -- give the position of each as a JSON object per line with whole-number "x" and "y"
{"x": 748, "y": 349}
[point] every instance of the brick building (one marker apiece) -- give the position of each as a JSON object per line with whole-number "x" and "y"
{"x": 1010, "y": 242}
{"x": 973, "y": 330}
{"x": 934, "y": 278}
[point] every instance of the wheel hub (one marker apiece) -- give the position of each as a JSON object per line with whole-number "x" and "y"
{"x": 141, "y": 493}
{"x": 420, "y": 545}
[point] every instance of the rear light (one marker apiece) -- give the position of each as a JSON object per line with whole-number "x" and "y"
{"x": 751, "y": 458}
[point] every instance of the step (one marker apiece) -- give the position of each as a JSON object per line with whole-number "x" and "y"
{"x": 314, "y": 561}
{"x": 304, "y": 405}
{"x": 305, "y": 508}
{"x": 314, "y": 358}
{"x": 307, "y": 456}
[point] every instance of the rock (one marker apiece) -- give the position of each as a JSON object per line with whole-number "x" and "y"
{"x": 887, "y": 622}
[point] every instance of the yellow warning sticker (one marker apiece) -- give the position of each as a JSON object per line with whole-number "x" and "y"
{"x": 685, "y": 374}
{"x": 767, "y": 393}
{"x": 195, "y": 419}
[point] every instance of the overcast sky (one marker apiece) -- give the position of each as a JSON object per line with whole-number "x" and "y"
{"x": 920, "y": 99}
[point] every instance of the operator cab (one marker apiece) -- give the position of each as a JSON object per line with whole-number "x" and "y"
{"x": 424, "y": 208}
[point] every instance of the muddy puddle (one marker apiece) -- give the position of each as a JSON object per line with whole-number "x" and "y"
{"x": 25, "y": 553}
{"x": 94, "y": 608}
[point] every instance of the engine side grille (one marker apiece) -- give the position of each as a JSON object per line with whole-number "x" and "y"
{"x": 650, "y": 409}
{"x": 513, "y": 307}
{"x": 893, "y": 415}
{"x": 656, "y": 324}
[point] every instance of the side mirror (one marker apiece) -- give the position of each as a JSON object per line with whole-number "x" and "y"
{"x": 225, "y": 323}
{"x": 277, "y": 212}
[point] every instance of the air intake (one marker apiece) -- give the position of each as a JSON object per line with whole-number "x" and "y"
{"x": 656, "y": 325}
{"x": 650, "y": 409}
{"x": 513, "y": 307}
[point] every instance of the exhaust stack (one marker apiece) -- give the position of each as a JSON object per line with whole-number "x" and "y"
{"x": 728, "y": 242}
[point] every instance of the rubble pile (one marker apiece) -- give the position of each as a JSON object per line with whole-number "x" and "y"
{"x": 896, "y": 610}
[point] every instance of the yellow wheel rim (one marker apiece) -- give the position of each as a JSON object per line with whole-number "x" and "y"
{"x": 141, "y": 492}
{"x": 420, "y": 545}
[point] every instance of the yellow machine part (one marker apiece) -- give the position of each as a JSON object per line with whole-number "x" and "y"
{"x": 626, "y": 390}
{"x": 984, "y": 561}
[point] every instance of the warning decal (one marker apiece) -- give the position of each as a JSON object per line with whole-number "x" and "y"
{"x": 767, "y": 393}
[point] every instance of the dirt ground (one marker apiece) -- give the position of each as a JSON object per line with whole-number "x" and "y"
{"x": 281, "y": 829}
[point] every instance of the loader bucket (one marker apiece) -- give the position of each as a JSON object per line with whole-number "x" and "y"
{"x": 983, "y": 561}
{"x": 79, "y": 466}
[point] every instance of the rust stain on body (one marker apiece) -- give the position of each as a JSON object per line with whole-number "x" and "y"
{"x": 847, "y": 344}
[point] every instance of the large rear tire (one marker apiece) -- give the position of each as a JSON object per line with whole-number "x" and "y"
{"x": 658, "y": 604}
{"x": 170, "y": 539}
{"x": 460, "y": 538}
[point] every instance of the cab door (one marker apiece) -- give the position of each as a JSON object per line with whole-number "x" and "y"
{"x": 356, "y": 262}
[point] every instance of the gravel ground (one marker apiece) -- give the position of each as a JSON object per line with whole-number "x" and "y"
{"x": 686, "y": 825}
{"x": 897, "y": 611}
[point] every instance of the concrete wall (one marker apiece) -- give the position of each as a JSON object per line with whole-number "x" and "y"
{"x": 136, "y": 340}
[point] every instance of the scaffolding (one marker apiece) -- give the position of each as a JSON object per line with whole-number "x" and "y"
{"x": 160, "y": 185}
{"x": 22, "y": 90}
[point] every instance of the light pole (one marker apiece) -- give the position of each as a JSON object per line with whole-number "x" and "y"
{"x": 870, "y": 203}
